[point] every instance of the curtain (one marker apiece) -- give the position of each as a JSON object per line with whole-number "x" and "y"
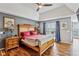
{"x": 58, "y": 31}
{"x": 44, "y": 28}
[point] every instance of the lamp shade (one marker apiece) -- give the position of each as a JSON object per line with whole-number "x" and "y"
{"x": 1, "y": 32}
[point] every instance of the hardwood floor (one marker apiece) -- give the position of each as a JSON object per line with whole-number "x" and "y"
{"x": 59, "y": 49}
{"x": 15, "y": 52}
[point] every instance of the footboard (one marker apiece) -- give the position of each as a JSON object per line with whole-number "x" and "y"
{"x": 42, "y": 48}
{"x": 45, "y": 46}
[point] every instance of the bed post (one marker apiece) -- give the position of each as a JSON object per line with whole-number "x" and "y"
{"x": 40, "y": 51}
{"x": 40, "y": 48}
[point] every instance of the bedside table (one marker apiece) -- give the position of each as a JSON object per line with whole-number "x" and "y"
{"x": 11, "y": 42}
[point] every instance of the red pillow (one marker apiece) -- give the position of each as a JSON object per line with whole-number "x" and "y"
{"x": 22, "y": 33}
{"x": 27, "y": 33}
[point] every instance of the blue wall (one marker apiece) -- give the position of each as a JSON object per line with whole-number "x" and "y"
{"x": 18, "y": 20}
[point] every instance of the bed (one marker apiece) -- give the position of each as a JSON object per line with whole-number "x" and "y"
{"x": 39, "y": 43}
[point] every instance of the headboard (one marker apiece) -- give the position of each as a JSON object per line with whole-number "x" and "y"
{"x": 24, "y": 27}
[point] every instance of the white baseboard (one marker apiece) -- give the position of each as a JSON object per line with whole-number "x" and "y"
{"x": 2, "y": 48}
{"x": 67, "y": 42}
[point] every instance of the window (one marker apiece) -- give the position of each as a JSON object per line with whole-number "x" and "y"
{"x": 75, "y": 29}
{"x": 50, "y": 27}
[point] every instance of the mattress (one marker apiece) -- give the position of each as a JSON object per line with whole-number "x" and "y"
{"x": 36, "y": 40}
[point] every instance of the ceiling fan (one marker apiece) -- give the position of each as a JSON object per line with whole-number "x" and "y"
{"x": 40, "y": 5}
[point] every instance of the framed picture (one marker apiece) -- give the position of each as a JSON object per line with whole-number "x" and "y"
{"x": 63, "y": 25}
{"x": 8, "y": 22}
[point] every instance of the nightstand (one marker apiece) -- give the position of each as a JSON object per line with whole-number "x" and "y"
{"x": 11, "y": 42}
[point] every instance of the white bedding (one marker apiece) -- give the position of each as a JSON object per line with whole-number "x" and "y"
{"x": 36, "y": 40}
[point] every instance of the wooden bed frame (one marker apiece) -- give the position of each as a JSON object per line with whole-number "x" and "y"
{"x": 40, "y": 49}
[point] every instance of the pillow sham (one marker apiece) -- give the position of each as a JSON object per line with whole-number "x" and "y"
{"x": 25, "y": 34}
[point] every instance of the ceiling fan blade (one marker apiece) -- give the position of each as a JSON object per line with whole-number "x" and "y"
{"x": 47, "y": 4}
{"x": 38, "y": 3}
{"x": 38, "y": 9}
{"x": 41, "y": 5}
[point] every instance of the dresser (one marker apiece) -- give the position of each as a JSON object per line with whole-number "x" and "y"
{"x": 11, "y": 42}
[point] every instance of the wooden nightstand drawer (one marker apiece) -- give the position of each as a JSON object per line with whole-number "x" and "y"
{"x": 11, "y": 42}
{"x": 9, "y": 46}
{"x": 15, "y": 41}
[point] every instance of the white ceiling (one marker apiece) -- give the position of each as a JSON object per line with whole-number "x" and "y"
{"x": 19, "y": 9}
{"x": 72, "y": 6}
{"x": 28, "y": 10}
{"x": 45, "y": 8}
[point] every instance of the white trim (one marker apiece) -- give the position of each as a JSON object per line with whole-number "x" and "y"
{"x": 2, "y": 48}
{"x": 56, "y": 17}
